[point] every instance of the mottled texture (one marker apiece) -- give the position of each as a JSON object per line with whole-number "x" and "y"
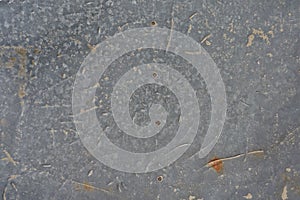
{"x": 256, "y": 46}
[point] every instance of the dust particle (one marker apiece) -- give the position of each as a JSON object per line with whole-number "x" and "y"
{"x": 192, "y": 197}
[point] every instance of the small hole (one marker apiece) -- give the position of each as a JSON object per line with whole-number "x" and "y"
{"x": 160, "y": 178}
{"x": 157, "y": 123}
{"x": 154, "y": 74}
{"x": 153, "y": 23}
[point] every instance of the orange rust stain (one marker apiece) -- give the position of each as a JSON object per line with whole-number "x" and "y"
{"x": 217, "y": 164}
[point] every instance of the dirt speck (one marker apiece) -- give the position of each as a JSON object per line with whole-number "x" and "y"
{"x": 21, "y": 91}
{"x": 248, "y": 196}
{"x": 260, "y": 34}
{"x": 250, "y": 40}
{"x": 92, "y": 48}
{"x": 192, "y": 197}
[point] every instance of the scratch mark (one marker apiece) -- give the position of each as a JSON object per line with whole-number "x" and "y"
{"x": 89, "y": 188}
{"x": 193, "y": 52}
{"x": 190, "y": 28}
{"x": 193, "y": 15}
{"x": 4, "y": 193}
{"x": 82, "y": 111}
{"x": 9, "y": 158}
{"x": 205, "y": 38}
{"x": 171, "y": 33}
{"x": 14, "y": 186}
{"x": 284, "y": 193}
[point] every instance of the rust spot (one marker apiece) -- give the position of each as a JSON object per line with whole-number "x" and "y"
{"x": 157, "y": 123}
{"x": 217, "y": 164}
{"x": 154, "y": 74}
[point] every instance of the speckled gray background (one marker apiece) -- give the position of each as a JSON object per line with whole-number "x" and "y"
{"x": 256, "y": 46}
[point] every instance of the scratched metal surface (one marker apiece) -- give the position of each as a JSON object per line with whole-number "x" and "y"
{"x": 256, "y": 46}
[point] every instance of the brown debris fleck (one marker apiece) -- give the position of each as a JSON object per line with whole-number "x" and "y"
{"x": 157, "y": 123}
{"x": 217, "y": 164}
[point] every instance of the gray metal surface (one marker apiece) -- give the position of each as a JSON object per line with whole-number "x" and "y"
{"x": 256, "y": 47}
